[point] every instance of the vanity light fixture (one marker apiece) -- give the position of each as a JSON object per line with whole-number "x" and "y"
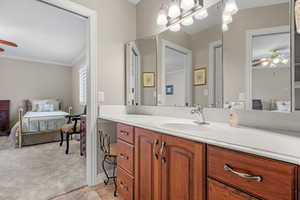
{"x": 225, "y": 27}
{"x": 180, "y": 12}
{"x": 227, "y": 19}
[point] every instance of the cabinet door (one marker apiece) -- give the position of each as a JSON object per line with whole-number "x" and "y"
{"x": 147, "y": 165}
{"x": 183, "y": 169}
{"x": 219, "y": 191}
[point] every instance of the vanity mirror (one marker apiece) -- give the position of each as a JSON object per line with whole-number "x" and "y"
{"x": 190, "y": 62}
{"x": 141, "y": 72}
{"x": 257, "y": 56}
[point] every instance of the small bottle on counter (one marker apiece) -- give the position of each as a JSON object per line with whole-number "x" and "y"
{"x": 233, "y": 117}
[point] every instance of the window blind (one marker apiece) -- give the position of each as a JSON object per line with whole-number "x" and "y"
{"x": 83, "y": 86}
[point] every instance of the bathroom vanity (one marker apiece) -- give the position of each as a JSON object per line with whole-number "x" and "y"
{"x": 171, "y": 158}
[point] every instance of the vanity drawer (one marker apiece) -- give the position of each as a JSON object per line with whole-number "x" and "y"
{"x": 278, "y": 179}
{"x": 125, "y": 133}
{"x": 125, "y": 185}
{"x": 125, "y": 156}
{"x": 219, "y": 191}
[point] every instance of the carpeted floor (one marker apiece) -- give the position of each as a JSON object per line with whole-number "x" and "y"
{"x": 40, "y": 172}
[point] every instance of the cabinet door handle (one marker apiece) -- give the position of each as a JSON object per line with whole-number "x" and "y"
{"x": 163, "y": 144}
{"x": 154, "y": 149}
{"x": 243, "y": 175}
{"x": 124, "y": 156}
{"x": 123, "y": 133}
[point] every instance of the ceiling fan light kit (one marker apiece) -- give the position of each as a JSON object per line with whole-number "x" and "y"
{"x": 7, "y": 43}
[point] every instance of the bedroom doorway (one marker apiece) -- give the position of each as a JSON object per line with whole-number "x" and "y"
{"x": 89, "y": 74}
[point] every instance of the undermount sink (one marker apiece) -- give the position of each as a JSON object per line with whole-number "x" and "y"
{"x": 193, "y": 126}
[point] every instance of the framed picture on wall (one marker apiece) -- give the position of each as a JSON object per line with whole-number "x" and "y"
{"x": 200, "y": 76}
{"x": 169, "y": 89}
{"x": 148, "y": 79}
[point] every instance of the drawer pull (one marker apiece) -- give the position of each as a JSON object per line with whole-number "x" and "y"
{"x": 163, "y": 144}
{"x": 124, "y": 156}
{"x": 123, "y": 133}
{"x": 122, "y": 186}
{"x": 154, "y": 149}
{"x": 243, "y": 175}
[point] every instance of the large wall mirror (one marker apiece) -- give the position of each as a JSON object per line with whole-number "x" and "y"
{"x": 248, "y": 64}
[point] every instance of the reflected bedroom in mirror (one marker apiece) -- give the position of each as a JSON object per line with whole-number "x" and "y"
{"x": 257, "y": 56}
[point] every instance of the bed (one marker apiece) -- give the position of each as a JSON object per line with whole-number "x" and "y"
{"x": 39, "y": 122}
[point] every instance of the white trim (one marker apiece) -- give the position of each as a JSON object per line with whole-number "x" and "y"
{"x": 79, "y": 57}
{"x": 211, "y": 71}
{"x": 35, "y": 60}
{"x": 188, "y": 71}
{"x": 248, "y": 71}
{"x": 92, "y": 83}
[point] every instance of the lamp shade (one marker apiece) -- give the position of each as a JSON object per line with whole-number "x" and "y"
{"x": 162, "y": 19}
{"x": 174, "y": 10}
{"x": 187, "y": 4}
{"x": 188, "y": 21}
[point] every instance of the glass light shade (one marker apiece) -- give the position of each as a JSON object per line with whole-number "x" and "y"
{"x": 202, "y": 14}
{"x": 175, "y": 28}
{"x": 265, "y": 63}
{"x": 187, "y": 4}
{"x": 231, "y": 7}
{"x": 227, "y": 19}
{"x": 162, "y": 19}
{"x": 174, "y": 10}
{"x": 188, "y": 21}
{"x": 285, "y": 61}
{"x": 225, "y": 27}
{"x": 276, "y": 60}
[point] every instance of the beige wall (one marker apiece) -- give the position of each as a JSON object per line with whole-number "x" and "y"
{"x": 116, "y": 26}
{"x": 234, "y": 43}
{"x": 20, "y": 80}
{"x": 200, "y": 47}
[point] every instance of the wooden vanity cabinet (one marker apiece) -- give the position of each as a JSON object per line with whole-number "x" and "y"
{"x": 168, "y": 168}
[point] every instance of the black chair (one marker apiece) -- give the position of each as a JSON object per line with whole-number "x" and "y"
{"x": 110, "y": 157}
{"x": 72, "y": 127}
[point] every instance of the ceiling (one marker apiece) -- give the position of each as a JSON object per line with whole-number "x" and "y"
{"x": 215, "y": 13}
{"x": 42, "y": 32}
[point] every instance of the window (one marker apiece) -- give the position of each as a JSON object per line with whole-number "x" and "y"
{"x": 83, "y": 86}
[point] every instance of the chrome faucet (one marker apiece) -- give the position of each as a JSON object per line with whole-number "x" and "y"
{"x": 199, "y": 110}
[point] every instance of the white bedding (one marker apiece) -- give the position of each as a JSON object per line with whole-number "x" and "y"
{"x": 51, "y": 115}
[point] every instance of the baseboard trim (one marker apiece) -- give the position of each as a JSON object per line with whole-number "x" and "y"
{"x": 101, "y": 177}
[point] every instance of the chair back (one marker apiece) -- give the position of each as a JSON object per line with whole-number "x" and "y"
{"x": 104, "y": 140}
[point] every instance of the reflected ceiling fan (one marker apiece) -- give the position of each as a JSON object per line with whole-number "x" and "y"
{"x": 7, "y": 43}
{"x": 277, "y": 56}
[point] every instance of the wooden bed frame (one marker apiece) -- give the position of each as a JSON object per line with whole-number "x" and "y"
{"x": 22, "y": 134}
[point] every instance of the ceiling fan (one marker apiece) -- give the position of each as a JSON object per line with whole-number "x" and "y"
{"x": 7, "y": 43}
{"x": 277, "y": 56}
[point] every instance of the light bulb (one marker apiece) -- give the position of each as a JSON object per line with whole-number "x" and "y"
{"x": 188, "y": 21}
{"x": 202, "y": 14}
{"x": 174, "y": 10}
{"x": 162, "y": 19}
{"x": 276, "y": 60}
{"x": 265, "y": 63}
{"x": 187, "y": 4}
{"x": 285, "y": 61}
{"x": 231, "y": 7}
{"x": 227, "y": 19}
{"x": 225, "y": 27}
{"x": 175, "y": 28}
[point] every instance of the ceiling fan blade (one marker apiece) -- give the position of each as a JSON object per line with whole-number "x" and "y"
{"x": 8, "y": 43}
{"x": 1, "y": 50}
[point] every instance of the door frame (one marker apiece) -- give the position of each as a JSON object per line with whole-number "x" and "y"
{"x": 250, "y": 34}
{"x": 188, "y": 71}
{"x": 91, "y": 15}
{"x": 211, "y": 72}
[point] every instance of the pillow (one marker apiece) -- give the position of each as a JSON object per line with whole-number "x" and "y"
{"x": 45, "y": 107}
{"x": 55, "y": 103}
{"x": 35, "y": 104}
{"x": 283, "y": 106}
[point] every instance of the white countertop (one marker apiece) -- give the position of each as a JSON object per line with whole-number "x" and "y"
{"x": 279, "y": 145}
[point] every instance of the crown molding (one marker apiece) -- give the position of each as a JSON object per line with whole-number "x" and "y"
{"x": 35, "y": 60}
